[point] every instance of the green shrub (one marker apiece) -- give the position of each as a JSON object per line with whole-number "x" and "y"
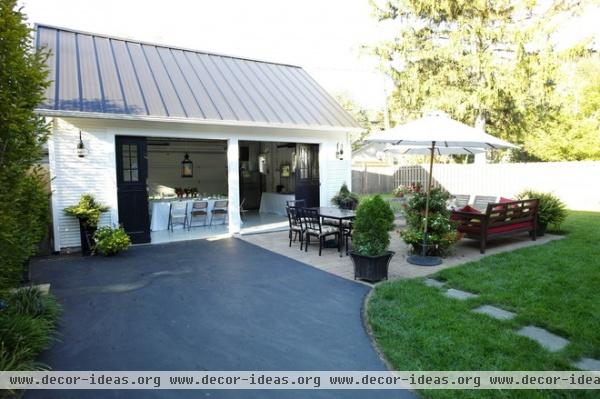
{"x": 374, "y": 220}
{"x": 441, "y": 231}
{"x": 552, "y": 211}
{"x": 87, "y": 210}
{"x": 26, "y": 327}
{"x": 110, "y": 241}
{"x": 345, "y": 199}
{"x": 24, "y": 217}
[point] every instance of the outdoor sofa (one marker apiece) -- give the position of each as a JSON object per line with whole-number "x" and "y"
{"x": 500, "y": 219}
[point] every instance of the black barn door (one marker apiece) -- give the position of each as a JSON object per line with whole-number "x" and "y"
{"x": 307, "y": 174}
{"x": 132, "y": 171}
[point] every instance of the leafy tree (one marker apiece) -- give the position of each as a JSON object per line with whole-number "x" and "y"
{"x": 365, "y": 119}
{"x": 488, "y": 63}
{"x": 575, "y": 133}
{"x": 23, "y": 198}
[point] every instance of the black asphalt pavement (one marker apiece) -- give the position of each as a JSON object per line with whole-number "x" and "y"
{"x": 205, "y": 305}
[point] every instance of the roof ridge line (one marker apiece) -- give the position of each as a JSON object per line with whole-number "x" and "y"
{"x": 37, "y": 25}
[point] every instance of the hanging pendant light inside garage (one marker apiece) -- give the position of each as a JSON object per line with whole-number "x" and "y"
{"x": 187, "y": 166}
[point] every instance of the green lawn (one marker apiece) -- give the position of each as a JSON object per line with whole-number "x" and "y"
{"x": 555, "y": 286}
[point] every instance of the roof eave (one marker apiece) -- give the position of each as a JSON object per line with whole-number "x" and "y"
{"x": 195, "y": 121}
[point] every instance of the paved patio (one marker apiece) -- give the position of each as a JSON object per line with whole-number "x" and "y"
{"x": 205, "y": 305}
{"x": 465, "y": 251}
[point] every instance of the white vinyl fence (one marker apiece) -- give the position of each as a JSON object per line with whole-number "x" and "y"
{"x": 576, "y": 183}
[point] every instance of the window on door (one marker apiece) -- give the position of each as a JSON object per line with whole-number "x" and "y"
{"x": 130, "y": 163}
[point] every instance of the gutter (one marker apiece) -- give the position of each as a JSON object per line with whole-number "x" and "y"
{"x": 195, "y": 121}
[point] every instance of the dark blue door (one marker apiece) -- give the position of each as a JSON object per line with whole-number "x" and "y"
{"x": 132, "y": 171}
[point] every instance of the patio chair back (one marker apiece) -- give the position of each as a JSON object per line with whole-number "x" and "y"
{"x": 199, "y": 206}
{"x": 221, "y": 205}
{"x": 311, "y": 219}
{"x": 296, "y": 203}
{"x": 461, "y": 200}
{"x": 293, "y": 215}
{"x": 178, "y": 209}
{"x": 481, "y": 202}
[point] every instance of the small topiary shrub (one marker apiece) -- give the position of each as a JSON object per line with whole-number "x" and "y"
{"x": 87, "y": 210}
{"x": 345, "y": 199}
{"x": 111, "y": 241}
{"x": 552, "y": 211}
{"x": 374, "y": 220}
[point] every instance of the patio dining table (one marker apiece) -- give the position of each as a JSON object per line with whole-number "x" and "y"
{"x": 330, "y": 212}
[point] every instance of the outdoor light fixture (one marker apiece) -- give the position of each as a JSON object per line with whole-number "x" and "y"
{"x": 339, "y": 152}
{"x": 80, "y": 147}
{"x": 187, "y": 166}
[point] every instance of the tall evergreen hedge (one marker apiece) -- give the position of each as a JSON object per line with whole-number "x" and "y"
{"x": 23, "y": 197}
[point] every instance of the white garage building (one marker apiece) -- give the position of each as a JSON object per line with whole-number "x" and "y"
{"x": 155, "y": 119}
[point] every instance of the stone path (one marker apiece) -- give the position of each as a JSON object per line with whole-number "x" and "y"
{"x": 585, "y": 363}
{"x": 544, "y": 338}
{"x": 495, "y": 312}
{"x": 458, "y": 294}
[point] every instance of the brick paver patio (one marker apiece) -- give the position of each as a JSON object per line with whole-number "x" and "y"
{"x": 466, "y": 250}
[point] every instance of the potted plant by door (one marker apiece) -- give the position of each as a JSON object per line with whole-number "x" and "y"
{"x": 371, "y": 240}
{"x": 345, "y": 199}
{"x": 88, "y": 212}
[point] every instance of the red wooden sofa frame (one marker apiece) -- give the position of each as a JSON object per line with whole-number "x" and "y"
{"x": 499, "y": 220}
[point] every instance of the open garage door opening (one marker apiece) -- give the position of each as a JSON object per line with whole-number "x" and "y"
{"x": 172, "y": 189}
{"x": 271, "y": 174}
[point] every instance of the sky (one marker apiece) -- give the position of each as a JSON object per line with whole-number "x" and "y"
{"x": 323, "y": 36}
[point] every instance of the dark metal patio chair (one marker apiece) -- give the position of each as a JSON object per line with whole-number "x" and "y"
{"x": 313, "y": 227}
{"x": 296, "y": 229}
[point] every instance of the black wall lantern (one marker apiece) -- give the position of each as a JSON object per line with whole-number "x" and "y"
{"x": 187, "y": 166}
{"x": 339, "y": 152}
{"x": 80, "y": 147}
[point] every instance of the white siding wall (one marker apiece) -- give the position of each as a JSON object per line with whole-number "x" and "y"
{"x": 96, "y": 173}
{"x": 336, "y": 171}
{"x": 73, "y": 176}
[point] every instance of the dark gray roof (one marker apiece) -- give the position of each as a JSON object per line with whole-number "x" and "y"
{"x": 99, "y": 74}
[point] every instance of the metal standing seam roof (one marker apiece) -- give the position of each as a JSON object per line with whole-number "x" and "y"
{"x": 96, "y": 74}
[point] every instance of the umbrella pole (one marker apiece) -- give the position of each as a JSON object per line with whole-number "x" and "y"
{"x": 424, "y": 253}
{"x": 423, "y": 259}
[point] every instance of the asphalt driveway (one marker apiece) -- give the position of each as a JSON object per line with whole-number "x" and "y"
{"x": 200, "y": 305}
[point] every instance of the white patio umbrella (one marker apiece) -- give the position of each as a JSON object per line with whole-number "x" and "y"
{"x": 436, "y": 130}
{"x": 423, "y": 150}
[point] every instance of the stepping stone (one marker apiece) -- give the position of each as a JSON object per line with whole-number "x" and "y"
{"x": 586, "y": 363}
{"x": 495, "y": 312}
{"x": 546, "y": 339}
{"x": 434, "y": 283}
{"x": 458, "y": 294}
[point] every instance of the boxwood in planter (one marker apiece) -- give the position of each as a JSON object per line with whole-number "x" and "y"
{"x": 371, "y": 240}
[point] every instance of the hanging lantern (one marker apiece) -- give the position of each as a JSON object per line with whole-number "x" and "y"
{"x": 339, "y": 152}
{"x": 80, "y": 147}
{"x": 187, "y": 166}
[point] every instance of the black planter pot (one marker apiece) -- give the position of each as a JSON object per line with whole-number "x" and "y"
{"x": 86, "y": 233}
{"x": 540, "y": 230}
{"x": 371, "y": 268}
